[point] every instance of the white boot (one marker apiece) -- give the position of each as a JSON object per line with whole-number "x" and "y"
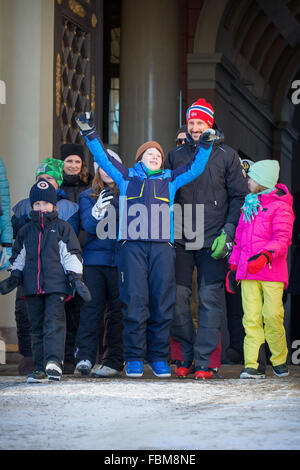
{"x": 53, "y": 370}
{"x": 105, "y": 372}
{"x": 84, "y": 367}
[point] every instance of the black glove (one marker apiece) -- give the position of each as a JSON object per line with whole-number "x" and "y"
{"x": 78, "y": 286}
{"x": 210, "y": 135}
{"x": 86, "y": 123}
{"x": 11, "y": 282}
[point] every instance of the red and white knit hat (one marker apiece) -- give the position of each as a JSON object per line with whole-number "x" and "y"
{"x": 201, "y": 110}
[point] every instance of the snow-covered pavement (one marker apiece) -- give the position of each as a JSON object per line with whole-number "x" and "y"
{"x": 148, "y": 413}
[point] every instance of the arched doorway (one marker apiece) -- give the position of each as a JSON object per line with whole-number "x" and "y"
{"x": 245, "y": 57}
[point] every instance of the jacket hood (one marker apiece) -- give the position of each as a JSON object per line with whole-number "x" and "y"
{"x": 281, "y": 194}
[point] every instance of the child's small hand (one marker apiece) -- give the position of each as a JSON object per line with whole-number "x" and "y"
{"x": 86, "y": 122}
{"x": 231, "y": 282}
{"x": 259, "y": 261}
{"x": 78, "y": 286}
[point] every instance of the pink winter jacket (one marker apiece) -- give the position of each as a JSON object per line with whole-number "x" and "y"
{"x": 271, "y": 229}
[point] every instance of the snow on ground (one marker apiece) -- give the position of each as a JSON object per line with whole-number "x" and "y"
{"x": 124, "y": 414}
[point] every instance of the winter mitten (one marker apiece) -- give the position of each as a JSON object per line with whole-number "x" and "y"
{"x": 259, "y": 261}
{"x": 5, "y": 255}
{"x": 86, "y": 123}
{"x": 222, "y": 245}
{"x": 231, "y": 282}
{"x": 11, "y": 282}
{"x": 103, "y": 200}
{"x": 78, "y": 286}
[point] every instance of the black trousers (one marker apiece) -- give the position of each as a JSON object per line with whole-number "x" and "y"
{"x": 24, "y": 333}
{"x": 211, "y": 273}
{"x": 72, "y": 308}
{"x": 23, "y": 324}
{"x": 235, "y": 320}
{"x": 48, "y": 321}
{"x": 102, "y": 282}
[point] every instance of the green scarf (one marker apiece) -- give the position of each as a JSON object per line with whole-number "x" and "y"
{"x": 153, "y": 172}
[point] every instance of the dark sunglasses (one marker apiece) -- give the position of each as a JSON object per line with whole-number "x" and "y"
{"x": 180, "y": 141}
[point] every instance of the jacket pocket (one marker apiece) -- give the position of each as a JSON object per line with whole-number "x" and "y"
{"x": 135, "y": 189}
{"x": 161, "y": 190}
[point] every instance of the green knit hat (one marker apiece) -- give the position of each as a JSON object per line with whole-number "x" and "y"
{"x": 52, "y": 167}
{"x": 265, "y": 172}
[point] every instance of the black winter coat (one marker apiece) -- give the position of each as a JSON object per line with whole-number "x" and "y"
{"x": 221, "y": 187}
{"x": 73, "y": 186}
{"x": 44, "y": 250}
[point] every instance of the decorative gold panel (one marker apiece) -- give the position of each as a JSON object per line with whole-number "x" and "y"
{"x": 58, "y": 84}
{"x": 75, "y": 79}
{"x": 94, "y": 20}
{"x": 93, "y": 94}
{"x": 77, "y": 8}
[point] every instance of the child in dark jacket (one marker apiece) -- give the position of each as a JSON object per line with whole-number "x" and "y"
{"x": 146, "y": 256}
{"x": 50, "y": 169}
{"x": 101, "y": 277}
{"x": 46, "y": 260}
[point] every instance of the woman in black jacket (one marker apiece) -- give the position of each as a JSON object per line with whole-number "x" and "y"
{"x": 76, "y": 179}
{"x": 76, "y": 175}
{"x": 103, "y": 315}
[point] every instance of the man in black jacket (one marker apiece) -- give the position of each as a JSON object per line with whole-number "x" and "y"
{"x": 220, "y": 192}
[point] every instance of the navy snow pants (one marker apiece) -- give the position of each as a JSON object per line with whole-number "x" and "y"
{"x": 148, "y": 292}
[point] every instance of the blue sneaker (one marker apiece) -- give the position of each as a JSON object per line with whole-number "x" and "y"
{"x": 160, "y": 368}
{"x": 134, "y": 368}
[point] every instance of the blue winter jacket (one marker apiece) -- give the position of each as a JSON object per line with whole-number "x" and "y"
{"x": 67, "y": 211}
{"x": 146, "y": 200}
{"x": 96, "y": 252}
{"x": 6, "y": 232}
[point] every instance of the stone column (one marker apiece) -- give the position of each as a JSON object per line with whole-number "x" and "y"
{"x": 26, "y": 67}
{"x": 150, "y": 74}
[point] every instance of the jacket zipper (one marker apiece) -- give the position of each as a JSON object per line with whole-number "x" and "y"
{"x": 212, "y": 188}
{"x": 39, "y": 255}
{"x": 39, "y": 271}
